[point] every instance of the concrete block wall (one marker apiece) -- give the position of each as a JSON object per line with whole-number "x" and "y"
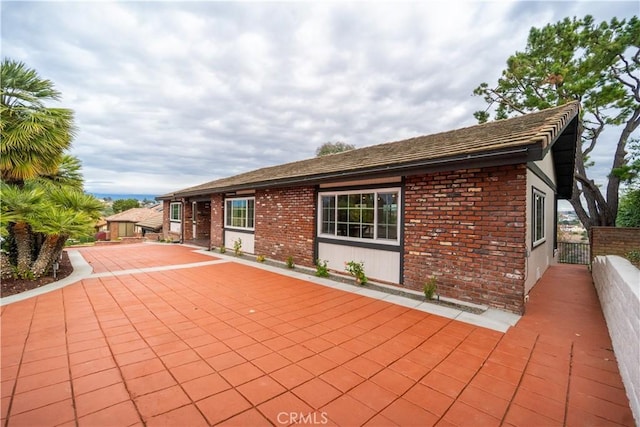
{"x": 616, "y": 281}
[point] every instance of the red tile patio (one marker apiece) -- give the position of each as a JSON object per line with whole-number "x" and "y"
{"x": 230, "y": 344}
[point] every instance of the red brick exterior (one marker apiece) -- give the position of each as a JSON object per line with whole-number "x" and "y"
{"x": 217, "y": 221}
{"x": 166, "y": 224}
{"x": 613, "y": 240}
{"x": 468, "y": 229}
{"x": 187, "y": 225}
{"x": 285, "y": 224}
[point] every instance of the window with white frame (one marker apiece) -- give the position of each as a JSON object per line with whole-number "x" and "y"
{"x": 360, "y": 215}
{"x": 175, "y": 212}
{"x": 538, "y": 220}
{"x": 240, "y": 213}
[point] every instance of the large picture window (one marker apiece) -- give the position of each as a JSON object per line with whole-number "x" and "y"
{"x": 240, "y": 213}
{"x": 538, "y": 220}
{"x": 361, "y": 215}
{"x": 175, "y": 212}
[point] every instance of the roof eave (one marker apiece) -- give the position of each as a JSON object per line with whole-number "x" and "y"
{"x": 513, "y": 155}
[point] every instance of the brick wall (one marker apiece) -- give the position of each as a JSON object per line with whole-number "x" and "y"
{"x": 166, "y": 224}
{"x": 217, "y": 221}
{"x": 468, "y": 228}
{"x": 613, "y": 240}
{"x": 285, "y": 224}
{"x": 187, "y": 224}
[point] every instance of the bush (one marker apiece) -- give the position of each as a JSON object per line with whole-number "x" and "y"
{"x": 321, "y": 268}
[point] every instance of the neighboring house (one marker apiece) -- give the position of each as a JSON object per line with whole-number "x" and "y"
{"x": 101, "y": 225}
{"x": 474, "y": 207}
{"x": 133, "y": 222}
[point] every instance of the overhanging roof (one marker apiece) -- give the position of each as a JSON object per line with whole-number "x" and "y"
{"x": 517, "y": 140}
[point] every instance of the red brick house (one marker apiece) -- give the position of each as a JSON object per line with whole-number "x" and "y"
{"x": 474, "y": 207}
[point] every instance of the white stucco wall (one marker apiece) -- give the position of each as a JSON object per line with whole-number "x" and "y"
{"x": 617, "y": 282}
{"x": 378, "y": 264}
{"x": 541, "y": 256}
{"x": 248, "y": 241}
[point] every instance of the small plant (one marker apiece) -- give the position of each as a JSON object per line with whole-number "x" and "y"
{"x": 223, "y": 249}
{"x": 237, "y": 247}
{"x": 356, "y": 269}
{"x": 321, "y": 268}
{"x": 430, "y": 288}
{"x": 260, "y": 258}
{"x": 633, "y": 257}
{"x": 290, "y": 263}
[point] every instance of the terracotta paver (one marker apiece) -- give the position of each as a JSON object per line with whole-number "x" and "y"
{"x": 230, "y": 344}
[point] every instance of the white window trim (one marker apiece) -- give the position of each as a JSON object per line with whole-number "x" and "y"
{"x": 534, "y": 217}
{"x": 375, "y": 215}
{"x": 231, "y": 227}
{"x": 171, "y": 205}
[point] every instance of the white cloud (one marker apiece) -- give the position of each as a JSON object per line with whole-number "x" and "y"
{"x": 173, "y": 94}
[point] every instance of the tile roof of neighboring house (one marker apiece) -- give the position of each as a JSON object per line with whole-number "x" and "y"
{"x": 135, "y": 215}
{"x": 516, "y": 140}
{"x": 153, "y": 222}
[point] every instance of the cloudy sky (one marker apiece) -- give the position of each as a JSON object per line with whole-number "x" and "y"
{"x": 173, "y": 94}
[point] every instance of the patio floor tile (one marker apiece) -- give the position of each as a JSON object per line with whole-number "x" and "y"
{"x": 205, "y": 386}
{"x": 347, "y": 411}
{"x": 372, "y": 395}
{"x": 250, "y": 417}
{"x": 97, "y": 400}
{"x": 149, "y": 383}
{"x": 122, "y": 414}
{"x": 405, "y": 413}
{"x": 429, "y": 399}
{"x": 241, "y": 374}
{"x": 40, "y": 397}
{"x": 187, "y": 415}
{"x": 316, "y": 392}
{"x": 161, "y": 401}
{"x": 223, "y": 406}
{"x": 55, "y": 414}
{"x": 261, "y": 389}
{"x": 232, "y": 344}
{"x": 191, "y": 370}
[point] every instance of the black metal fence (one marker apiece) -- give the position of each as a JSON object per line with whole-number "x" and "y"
{"x": 574, "y": 253}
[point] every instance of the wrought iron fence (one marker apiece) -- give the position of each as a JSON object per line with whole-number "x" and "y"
{"x": 574, "y": 253}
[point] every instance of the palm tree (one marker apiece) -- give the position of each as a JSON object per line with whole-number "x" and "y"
{"x": 57, "y": 214}
{"x": 19, "y": 206}
{"x": 34, "y": 137}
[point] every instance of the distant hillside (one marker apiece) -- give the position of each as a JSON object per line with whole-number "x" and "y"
{"x": 124, "y": 196}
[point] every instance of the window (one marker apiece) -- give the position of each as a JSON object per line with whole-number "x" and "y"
{"x": 366, "y": 215}
{"x": 240, "y": 213}
{"x": 538, "y": 222}
{"x": 175, "y": 212}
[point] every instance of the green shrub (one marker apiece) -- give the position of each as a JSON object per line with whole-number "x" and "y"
{"x": 430, "y": 288}
{"x": 356, "y": 269}
{"x": 321, "y": 268}
{"x": 237, "y": 247}
{"x": 290, "y": 263}
{"x": 634, "y": 257}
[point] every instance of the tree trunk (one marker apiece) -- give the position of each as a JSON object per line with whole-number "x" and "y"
{"x": 48, "y": 254}
{"x": 22, "y": 236}
{"x": 6, "y": 269}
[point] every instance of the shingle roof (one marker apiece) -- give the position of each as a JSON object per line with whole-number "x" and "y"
{"x": 524, "y": 137}
{"x": 134, "y": 215}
